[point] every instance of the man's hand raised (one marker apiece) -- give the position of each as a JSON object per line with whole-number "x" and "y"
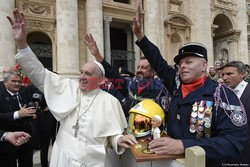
{"x": 91, "y": 43}
{"x": 137, "y": 23}
{"x": 19, "y": 28}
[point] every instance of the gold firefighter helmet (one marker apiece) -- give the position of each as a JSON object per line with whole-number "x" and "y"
{"x": 140, "y": 117}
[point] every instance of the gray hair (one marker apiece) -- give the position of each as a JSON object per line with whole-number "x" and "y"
{"x": 8, "y": 74}
{"x": 238, "y": 64}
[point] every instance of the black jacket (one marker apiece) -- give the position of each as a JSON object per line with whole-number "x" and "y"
{"x": 226, "y": 141}
{"x": 7, "y": 123}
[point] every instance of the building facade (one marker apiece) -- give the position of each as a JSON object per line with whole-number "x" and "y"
{"x": 56, "y": 30}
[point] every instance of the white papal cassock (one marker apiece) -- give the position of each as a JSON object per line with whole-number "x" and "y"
{"x": 100, "y": 126}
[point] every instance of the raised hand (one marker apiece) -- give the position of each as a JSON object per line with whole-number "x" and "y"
{"x": 91, "y": 43}
{"x": 19, "y": 28}
{"x": 137, "y": 23}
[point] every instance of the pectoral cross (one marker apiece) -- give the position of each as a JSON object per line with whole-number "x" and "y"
{"x": 76, "y": 127}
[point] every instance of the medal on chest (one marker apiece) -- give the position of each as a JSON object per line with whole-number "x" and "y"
{"x": 200, "y": 118}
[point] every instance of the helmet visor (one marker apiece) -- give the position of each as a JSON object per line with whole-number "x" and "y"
{"x": 139, "y": 125}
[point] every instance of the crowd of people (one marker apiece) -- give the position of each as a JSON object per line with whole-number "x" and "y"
{"x": 202, "y": 108}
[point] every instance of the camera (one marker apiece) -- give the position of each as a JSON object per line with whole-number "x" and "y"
{"x": 36, "y": 99}
{"x": 32, "y": 104}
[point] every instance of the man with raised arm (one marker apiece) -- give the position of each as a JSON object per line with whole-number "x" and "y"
{"x": 142, "y": 86}
{"x": 202, "y": 112}
{"x": 91, "y": 119}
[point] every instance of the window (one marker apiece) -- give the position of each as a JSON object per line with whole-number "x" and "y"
{"x": 123, "y": 1}
{"x": 248, "y": 5}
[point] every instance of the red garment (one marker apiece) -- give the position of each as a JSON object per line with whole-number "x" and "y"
{"x": 142, "y": 86}
{"x": 190, "y": 87}
{"x": 26, "y": 81}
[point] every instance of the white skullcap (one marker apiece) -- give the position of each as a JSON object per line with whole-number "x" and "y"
{"x": 158, "y": 117}
{"x": 100, "y": 67}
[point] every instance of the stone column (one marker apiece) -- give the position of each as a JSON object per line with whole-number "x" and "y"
{"x": 107, "y": 47}
{"x": 201, "y": 28}
{"x": 242, "y": 25}
{"x": 94, "y": 24}
{"x": 7, "y": 43}
{"x": 234, "y": 49}
{"x": 67, "y": 37}
{"x": 152, "y": 26}
{"x": 128, "y": 31}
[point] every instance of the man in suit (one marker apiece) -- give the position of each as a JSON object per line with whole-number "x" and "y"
{"x": 15, "y": 138}
{"x": 15, "y": 116}
{"x": 233, "y": 74}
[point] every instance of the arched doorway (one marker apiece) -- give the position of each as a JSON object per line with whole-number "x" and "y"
{"x": 225, "y": 39}
{"x": 41, "y": 45}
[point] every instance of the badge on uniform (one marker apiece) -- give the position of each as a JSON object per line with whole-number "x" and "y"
{"x": 201, "y": 118}
{"x": 236, "y": 114}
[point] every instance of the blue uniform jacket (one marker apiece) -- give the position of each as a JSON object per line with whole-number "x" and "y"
{"x": 227, "y": 140}
{"x": 129, "y": 89}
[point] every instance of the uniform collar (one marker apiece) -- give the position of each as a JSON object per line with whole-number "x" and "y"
{"x": 11, "y": 93}
{"x": 205, "y": 92}
{"x": 240, "y": 88}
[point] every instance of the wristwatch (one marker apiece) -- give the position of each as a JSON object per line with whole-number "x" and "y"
{"x": 4, "y": 136}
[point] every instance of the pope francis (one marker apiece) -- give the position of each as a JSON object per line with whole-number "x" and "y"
{"x": 91, "y": 119}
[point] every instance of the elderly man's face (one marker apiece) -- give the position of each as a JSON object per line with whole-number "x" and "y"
{"x": 90, "y": 77}
{"x": 144, "y": 70}
{"x": 192, "y": 68}
{"x": 13, "y": 84}
{"x": 231, "y": 76}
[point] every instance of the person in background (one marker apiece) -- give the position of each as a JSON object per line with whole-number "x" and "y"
{"x": 5, "y": 70}
{"x": 213, "y": 74}
{"x": 15, "y": 115}
{"x": 247, "y": 78}
{"x": 233, "y": 74}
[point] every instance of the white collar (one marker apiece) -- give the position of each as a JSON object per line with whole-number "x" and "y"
{"x": 240, "y": 85}
{"x": 91, "y": 92}
{"x": 11, "y": 93}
